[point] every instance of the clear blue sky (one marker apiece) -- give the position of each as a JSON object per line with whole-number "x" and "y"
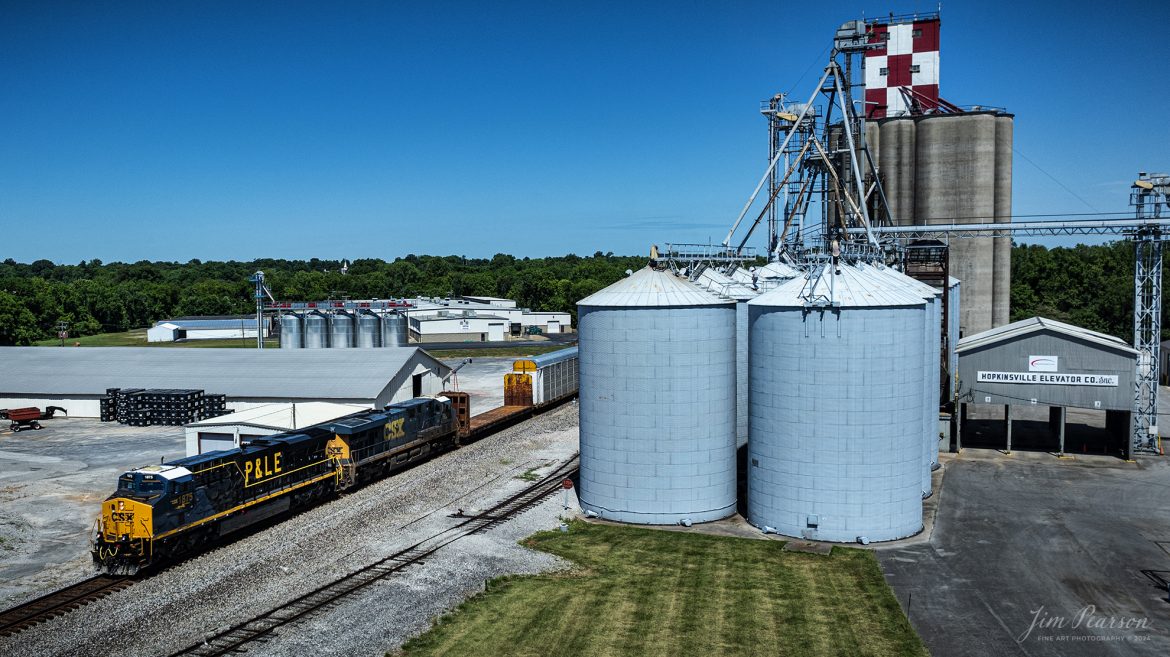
{"x": 234, "y": 130}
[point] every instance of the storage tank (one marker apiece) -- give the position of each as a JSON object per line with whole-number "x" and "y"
{"x": 340, "y": 330}
{"x": 657, "y": 401}
{"x": 725, "y": 287}
{"x": 316, "y": 327}
{"x": 394, "y": 330}
{"x": 369, "y": 329}
{"x": 931, "y": 367}
{"x": 291, "y": 334}
{"x": 836, "y": 404}
{"x": 954, "y": 331}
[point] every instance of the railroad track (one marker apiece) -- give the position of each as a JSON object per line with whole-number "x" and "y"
{"x": 260, "y": 627}
{"x": 60, "y": 602}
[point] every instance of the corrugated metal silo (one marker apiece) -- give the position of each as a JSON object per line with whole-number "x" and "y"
{"x": 657, "y": 397}
{"x": 394, "y": 330}
{"x": 726, "y": 287}
{"x": 931, "y": 367}
{"x": 340, "y": 330}
{"x": 291, "y": 334}
{"x": 316, "y": 327}
{"x": 835, "y": 451}
{"x": 369, "y": 329}
{"x": 954, "y": 331}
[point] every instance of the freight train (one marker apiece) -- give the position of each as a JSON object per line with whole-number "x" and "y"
{"x": 165, "y": 511}
{"x": 160, "y": 513}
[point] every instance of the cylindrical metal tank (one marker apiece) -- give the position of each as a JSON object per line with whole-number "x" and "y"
{"x": 728, "y": 288}
{"x": 657, "y": 401}
{"x": 931, "y": 367}
{"x": 369, "y": 329}
{"x": 316, "y": 327}
{"x": 394, "y": 330}
{"x": 291, "y": 334}
{"x": 340, "y": 330}
{"x": 835, "y": 447}
{"x": 954, "y": 332}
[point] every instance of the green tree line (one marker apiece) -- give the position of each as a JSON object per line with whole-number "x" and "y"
{"x": 1090, "y": 286}
{"x": 95, "y": 297}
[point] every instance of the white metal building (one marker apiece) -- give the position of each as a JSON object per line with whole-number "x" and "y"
{"x": 457, "y": 328}
{"x": 76, "y": 378}
{"x": 226, "y": 431}
{"x": 203, "y": 328}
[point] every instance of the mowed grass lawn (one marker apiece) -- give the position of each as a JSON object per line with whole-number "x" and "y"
{"x": 643, "y": 592}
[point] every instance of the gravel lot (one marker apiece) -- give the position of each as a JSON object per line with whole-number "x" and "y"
{"x": 208, "y": 593}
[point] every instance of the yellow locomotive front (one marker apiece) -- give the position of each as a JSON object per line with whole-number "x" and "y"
{"x": 125, "y": 530}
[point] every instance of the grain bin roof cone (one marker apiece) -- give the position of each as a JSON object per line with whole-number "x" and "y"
{"x": 836, "y": 369}
{"x": 657, "y": 398}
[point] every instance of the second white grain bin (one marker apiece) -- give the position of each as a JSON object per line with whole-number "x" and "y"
{"x": 657, "y": 401}
{"x": 836, "y": 407}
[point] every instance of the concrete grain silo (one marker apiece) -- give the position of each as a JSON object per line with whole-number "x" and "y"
{"x": 835, "y": 447}
{"x": 945, "y": 168}
{"x": 657, "y": 401}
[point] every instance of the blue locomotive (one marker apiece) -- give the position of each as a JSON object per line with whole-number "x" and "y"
{"x": 161, "y": 512}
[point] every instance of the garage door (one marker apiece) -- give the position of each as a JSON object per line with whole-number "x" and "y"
{"x": 209, "y": 442}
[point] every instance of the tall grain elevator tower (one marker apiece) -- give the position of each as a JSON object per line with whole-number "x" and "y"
{"x": 940, "y": 163}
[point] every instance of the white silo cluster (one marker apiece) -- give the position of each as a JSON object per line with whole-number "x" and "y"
{"x": 657, "y": 401}
{"x": 341, "y": 329}
{"x": 837, "y": 394}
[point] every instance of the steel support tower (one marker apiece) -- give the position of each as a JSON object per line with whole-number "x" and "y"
{"x": 1149, "y": 198}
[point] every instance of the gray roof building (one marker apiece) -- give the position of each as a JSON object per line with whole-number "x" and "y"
{"x": 37, "y": 376}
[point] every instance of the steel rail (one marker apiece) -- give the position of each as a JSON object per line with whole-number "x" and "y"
{"x": 59, "y": 603}
{"x": 261, "y": 626}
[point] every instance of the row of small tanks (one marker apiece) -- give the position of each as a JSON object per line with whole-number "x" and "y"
{"x": 826, "y": 374}
{"x": 342, "y": 329}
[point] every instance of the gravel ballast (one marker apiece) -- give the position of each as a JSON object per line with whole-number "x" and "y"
{"x": 208, "y": 593}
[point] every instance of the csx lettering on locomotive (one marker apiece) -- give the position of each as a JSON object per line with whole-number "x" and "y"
{"x": 394, "y": 429}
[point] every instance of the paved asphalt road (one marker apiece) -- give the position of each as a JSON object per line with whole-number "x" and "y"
{"x": 1037, "y": 556}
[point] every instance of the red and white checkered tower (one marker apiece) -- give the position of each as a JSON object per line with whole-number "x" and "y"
{"x": 905, "y": 57}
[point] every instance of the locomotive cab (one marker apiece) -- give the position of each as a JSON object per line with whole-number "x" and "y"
{"x": 125, "y": 530}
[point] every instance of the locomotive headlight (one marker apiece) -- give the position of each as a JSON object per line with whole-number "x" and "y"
{"x": 121, "y": 505}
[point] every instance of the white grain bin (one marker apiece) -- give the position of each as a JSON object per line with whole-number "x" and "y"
{"x": 836, "y": 388}
{"x": 657, "y": 401}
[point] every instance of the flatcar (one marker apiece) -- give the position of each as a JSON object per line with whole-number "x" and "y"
{"x": 161, "y": 512}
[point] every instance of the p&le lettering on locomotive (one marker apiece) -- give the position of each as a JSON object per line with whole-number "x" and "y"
{"x": 161, "y": 512}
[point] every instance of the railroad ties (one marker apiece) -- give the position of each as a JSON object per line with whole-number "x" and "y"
{"x": 260, "y": 628}
{"x": 59, "y": 603}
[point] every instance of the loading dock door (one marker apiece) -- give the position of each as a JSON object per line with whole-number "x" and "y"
{"x": 210, "y": 441}
{"x": 416, "y": 385}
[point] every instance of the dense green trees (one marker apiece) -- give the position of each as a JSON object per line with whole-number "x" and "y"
{"x": 1091, "y": 286}
{"x": 94, "y": 297}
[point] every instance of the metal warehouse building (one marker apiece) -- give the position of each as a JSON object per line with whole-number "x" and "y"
{"x": 75, "y": 378}
{"x": 203, "y": 328}
{"x": 1042, "y": 362}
